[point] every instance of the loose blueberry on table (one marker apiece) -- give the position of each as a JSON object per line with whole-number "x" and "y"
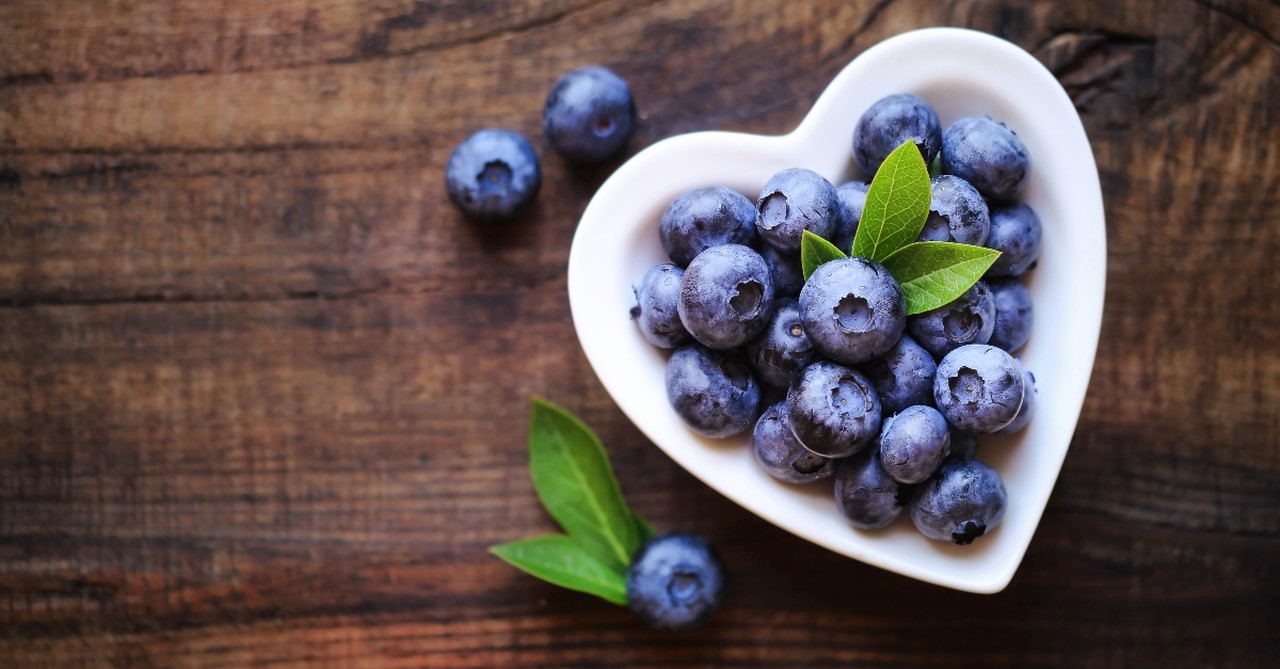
{"x": 493, "y": 175}
{"x": 675, "y": 582}
{"x": 589, "y": 115}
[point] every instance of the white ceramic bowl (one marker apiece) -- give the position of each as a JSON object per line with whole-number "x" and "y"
{"x": 962, "y": 73}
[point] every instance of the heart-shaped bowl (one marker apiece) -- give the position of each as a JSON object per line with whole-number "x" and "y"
{"x": 962, "y": 73}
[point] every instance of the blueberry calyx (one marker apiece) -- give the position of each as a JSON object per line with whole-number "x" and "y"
{"x": 967, "y": 531}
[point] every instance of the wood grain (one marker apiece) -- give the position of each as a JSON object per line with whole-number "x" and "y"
{"x": 263, "y": 393}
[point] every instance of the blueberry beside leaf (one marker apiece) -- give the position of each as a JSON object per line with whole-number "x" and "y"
{"x": 672, "y": 581}
{"x": 493, "y": 175}
{"x": 675, "y": 582}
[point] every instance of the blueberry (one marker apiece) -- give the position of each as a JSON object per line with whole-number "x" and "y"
{"x": 957, "y": 213}
{"x": 1015, "y": 233}
{"x": 987, "y": 154}
{"x": 963, "y": 446}
{"x": 891, "y": 121}
{"x": 852, "y": 196}
{"x": 787, "y": 273}
{"x": 589, "y": 114}
{"x": 965, "y": 500}
{"x": 712, "y": 391}
{"x": 704, "y": 218}
{"x": 656, "y": 311}
{"x": 903, "y": 376}
{"x": 1028, "y": 404}
{"x": 978, "y": 388}
{"x": 914, "y": 443}
{"x": 781, "y": 454}
{"x": 853, "y": 309}
{"x": 795, "y": 200}
{"x": 675, "y": 582}
{"x": 834, "y": 410}
{"x": 867, "y": 496}
{"x": 1013, "y": 314}
{"x": 493, "y": 175}
{"x": 783, "y": 349}
{"x": 726, "y": 296}
{"x": 968, "y": 319}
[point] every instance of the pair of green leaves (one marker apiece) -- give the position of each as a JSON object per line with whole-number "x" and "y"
{"x": 573, "y": 479}
{"x": 931, "y": 273}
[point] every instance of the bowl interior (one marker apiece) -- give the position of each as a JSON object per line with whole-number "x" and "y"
{"x": 962, "y": 73}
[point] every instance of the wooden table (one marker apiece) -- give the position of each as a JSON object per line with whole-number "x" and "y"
{"x": 263, "y": 393}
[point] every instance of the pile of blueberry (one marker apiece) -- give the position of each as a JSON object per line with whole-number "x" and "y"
{"x": 834, "y": 376}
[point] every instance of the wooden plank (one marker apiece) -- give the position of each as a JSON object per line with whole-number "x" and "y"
{"x": 263, "y": 393}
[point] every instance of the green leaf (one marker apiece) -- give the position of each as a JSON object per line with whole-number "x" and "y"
{"x": 814, "y": 250}
{"x": 557, "y": 559}
{"x": 572, "y": 477}
{"x": 897, "y": 205}
{"x": 935, "y": 273}
{"x": 935, "y": 167}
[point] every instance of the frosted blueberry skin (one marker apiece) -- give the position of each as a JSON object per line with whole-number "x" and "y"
{"x": 987, "y": 154}
{"x": 903, "y": 376}
{"x": 726, "y": 296}
{"x": 783, "y": 350}
{"x": 978, "y": 388}
{"x": 834, "y": 411}
{"x": 712, "y": 391}
{"x": 787, "y": 273}
{"x": 1015, "y": 232}
{"x": 781, "y": 455}
{"x": 965, "y": 500}
{"x": 891, "y": 121}
{"x": 1028, "y": 404}
{"x": 852, "y": 197}
{"x": 913, "y": 443}
{"x": 655, "y": 311}
{"x": 867, "y": 496}
{"x": 675, "y": 582}
{"x": 795, "y": 200}
{"x": 853, "y": 310}
{"x": 493, "y": 175}
{"x": 968, "y": 319}
{"x": 700, "y": 219}
{"x": 589, "y": 115}
{"x": 957, "y": 213}
{"x": 1013, "y": 314}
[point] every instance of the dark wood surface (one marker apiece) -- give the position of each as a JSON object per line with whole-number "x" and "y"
{"x": 263, "y": 393}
